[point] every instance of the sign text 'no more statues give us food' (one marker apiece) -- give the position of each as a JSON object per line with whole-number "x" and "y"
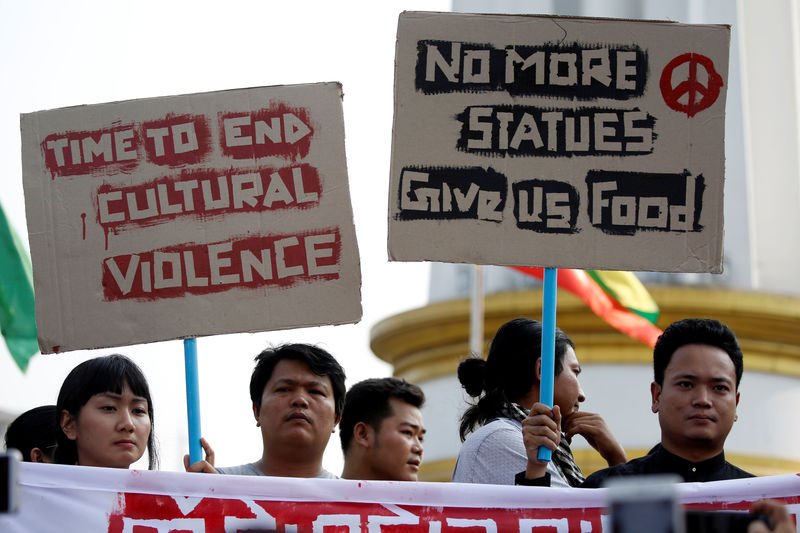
{"x": 558, "y": 142}
{"x": 190, "y": 215}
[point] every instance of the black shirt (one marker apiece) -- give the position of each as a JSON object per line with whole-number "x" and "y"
{"x": 657, "y": 461}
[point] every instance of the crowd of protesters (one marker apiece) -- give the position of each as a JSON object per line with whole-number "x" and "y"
{"x": 104, "y": 416}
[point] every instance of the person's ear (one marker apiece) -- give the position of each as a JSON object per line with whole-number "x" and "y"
{"x": 362, "y": 434}
{"x": 255, "y": 415}
{"x": 68, "y": 425}
{"x": 539, "y": 368}
{"x": 655, "y": 394}
{"x": 38, "y": 456}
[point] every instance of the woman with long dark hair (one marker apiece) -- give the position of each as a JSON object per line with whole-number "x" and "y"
{"x": 507, "y": 387}
{"x": 105, "y": 415}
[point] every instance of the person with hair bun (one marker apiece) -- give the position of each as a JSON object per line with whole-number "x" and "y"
{"x": 507, "y": 387}
{"x": 105, "y": 415}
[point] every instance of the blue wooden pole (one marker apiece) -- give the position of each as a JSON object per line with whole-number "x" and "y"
{"x": 548, "y": 345}
{"x": 192, "y": 400}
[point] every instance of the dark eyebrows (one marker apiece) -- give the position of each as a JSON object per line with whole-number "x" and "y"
{"x": 294, "y": 382}
{"x": 722, "y": 379}
{"x": 692, "y": 377}
{"x": 116, "y": 396}
{"x": 415, "y": 427}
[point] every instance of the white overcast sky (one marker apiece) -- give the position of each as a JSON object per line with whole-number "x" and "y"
{"x": 58, "y": 54}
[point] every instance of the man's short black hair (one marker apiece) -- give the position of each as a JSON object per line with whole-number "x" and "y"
{"x": 318, "y": 361}
{"x": 695, "y": 331}
{"x": 368, "y": 401}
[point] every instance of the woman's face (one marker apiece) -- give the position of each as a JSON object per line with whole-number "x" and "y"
{"x": 111, "y": 429}
{"x": 567, "y": 391}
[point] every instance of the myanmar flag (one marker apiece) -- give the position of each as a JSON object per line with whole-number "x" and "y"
{"x": 17, "y": 315}
{"x": 617, "y": 297}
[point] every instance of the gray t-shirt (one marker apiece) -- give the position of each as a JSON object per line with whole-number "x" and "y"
{"x": 495, "y": 453}
{"x": 250, "y": 469}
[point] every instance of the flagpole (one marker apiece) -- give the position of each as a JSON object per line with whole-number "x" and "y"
{"x": 476, "y": 313}
{"x": 548, "y": 345}
{"x": 192, "y": 399}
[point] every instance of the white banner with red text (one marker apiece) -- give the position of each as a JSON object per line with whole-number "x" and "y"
{"x": 79, "y": 499}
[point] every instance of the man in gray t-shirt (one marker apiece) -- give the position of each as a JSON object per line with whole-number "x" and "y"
{"x": 298, "y": 394}
{"x": 252, "y": 469}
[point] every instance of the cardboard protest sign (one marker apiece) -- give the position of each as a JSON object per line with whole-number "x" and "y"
{"x": 190, "y": 215}
{"x": 558, "y": 142}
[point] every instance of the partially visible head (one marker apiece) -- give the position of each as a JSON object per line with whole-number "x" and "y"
{"x": 697, "y": 370}
{"x": 319, "y": 361}
{"x": 509, "y": 371}
{"x": 33, "y": 433}
{"x": 695, "y": 331}
{"x": 382, "y": 428}
{"x": 91, "y": 393}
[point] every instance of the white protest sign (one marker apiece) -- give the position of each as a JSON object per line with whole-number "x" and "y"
{"x": 558, "y": 142}
{"x": 190, "y": 215}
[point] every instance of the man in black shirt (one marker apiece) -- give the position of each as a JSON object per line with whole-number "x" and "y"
{"x": 697, "y": 369}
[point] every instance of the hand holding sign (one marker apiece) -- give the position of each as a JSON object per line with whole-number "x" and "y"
{"x": 542, "y": 428}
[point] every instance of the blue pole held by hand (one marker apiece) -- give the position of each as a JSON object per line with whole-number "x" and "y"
{"x": 192, "y": 400}
{"x": 548, "y": 346}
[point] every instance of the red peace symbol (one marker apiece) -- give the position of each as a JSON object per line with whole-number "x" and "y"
{"x": 691, "y": 87}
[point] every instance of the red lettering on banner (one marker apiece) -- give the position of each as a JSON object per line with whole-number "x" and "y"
{"x": 248, "y": 262}
{"x": 109, "y": 151}
{"x": 140, "y": 511}
{"x": 206, "y": 193}
{"x": 172, "y": 514}
{"x": 177, "y": 140}
{"x": 279, "y": 130}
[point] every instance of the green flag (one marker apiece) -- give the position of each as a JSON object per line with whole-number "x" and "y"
{"x": 17, "y": 315}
